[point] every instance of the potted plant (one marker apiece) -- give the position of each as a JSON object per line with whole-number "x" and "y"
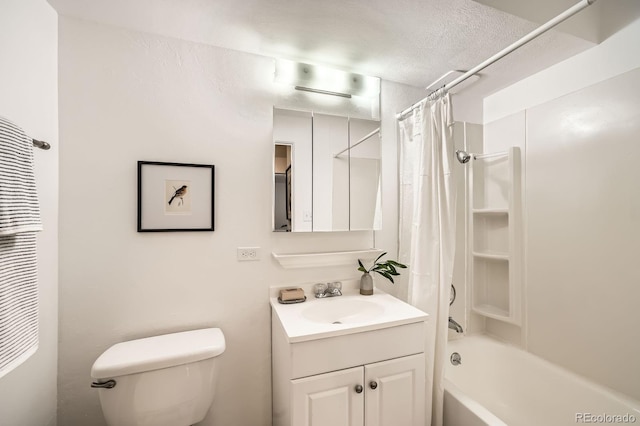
{"x": 386, "y": 269}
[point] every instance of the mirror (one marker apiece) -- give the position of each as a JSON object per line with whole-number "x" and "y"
{"x": 282, "y": 185}
{"x": 292, "y": 129}
{"x": 365, "y": 182}
{"x": 326, "y": 172}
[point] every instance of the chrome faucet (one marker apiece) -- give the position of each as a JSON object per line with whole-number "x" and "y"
{"x": 332, "y": 289}
{"x": 455, "y": 326}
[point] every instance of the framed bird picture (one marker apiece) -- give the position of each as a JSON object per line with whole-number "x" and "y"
{"x": 175, "y": 197}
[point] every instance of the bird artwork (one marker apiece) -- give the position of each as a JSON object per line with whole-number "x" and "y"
{"x": 179, "y": 193}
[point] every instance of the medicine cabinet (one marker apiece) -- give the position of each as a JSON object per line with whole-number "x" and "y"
{"x": 326, "y": 172}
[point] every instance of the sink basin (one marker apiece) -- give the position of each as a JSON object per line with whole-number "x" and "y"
{"x": 343, "y": 311}
{"x": 342, "y": 315}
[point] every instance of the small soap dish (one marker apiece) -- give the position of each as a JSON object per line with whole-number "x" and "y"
{"x": 289, "y": 302}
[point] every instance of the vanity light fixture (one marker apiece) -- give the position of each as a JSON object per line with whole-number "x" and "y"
{"x": 325, "y": 80}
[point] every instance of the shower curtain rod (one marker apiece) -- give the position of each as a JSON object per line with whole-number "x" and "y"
{"x": 490, "y": 155}
{"x": 367, "y": 136}
{"x": 504, "y": 52}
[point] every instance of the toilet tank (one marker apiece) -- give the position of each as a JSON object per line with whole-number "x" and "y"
{"x": 166, "y": 380}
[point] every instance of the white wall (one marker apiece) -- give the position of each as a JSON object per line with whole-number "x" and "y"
{"x": 467, "y": 137}
{"x": 29, "y": 97}
{"x": 578, "y": 123}
{"x": 466, "y": 107}
{"x": 395, "y": 98}
{"x": 128, "y": 96}
{"x": 612, "y": 57}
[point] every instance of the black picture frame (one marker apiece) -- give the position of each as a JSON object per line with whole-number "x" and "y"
{"x": 175, "y": 197}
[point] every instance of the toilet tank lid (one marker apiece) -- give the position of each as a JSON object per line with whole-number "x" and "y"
{"x": 154, "y": 353}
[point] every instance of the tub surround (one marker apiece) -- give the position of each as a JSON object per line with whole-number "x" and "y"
{"x": 581, "y": 223}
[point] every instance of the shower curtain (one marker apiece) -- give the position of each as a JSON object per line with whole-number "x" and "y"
{"x": 427, "y": 229}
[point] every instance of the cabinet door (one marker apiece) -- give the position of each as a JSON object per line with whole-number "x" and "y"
{"x": 328, "y": 399}
{"x": 395, "y": 392}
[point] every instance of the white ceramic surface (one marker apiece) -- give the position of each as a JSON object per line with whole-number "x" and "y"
{"x": 154, "y": 353}
{"x": 344, "y": 311}
{"x": 315, "y": 318}
{"x": 522, "y": 389}
{"x": 166, "y": 380}
{"x": 175, "y": 396}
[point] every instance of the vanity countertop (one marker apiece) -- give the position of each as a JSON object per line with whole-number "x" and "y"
{"x": 341, "y": 315}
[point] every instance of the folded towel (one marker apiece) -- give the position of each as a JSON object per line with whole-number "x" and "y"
{"x": 19, "y": 208}
{"x": 18, "y": 299}
{"x": 19, "y": 218}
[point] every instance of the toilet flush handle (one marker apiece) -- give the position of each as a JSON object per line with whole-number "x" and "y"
{"x": 109, "y": 384}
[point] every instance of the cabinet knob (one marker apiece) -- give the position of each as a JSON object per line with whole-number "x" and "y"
{"x": 373, "y": 385}
{"x": 359, "y": 388}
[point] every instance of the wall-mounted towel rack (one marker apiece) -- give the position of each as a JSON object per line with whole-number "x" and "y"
{"x": 41, "y": 144}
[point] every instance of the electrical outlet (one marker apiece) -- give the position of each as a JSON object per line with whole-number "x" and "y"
{"x": 248, "y": 253}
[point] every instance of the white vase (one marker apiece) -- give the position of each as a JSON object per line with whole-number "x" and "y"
{"x": 366, "y": 284}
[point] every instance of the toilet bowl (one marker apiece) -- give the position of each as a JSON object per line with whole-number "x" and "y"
{"x": 166, "y": 380}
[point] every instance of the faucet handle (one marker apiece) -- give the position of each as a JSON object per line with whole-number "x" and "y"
{"x": 335, "y": 287}
{"x": 320, "y": 289}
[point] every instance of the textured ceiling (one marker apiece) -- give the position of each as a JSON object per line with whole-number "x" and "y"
{"x": 407, "y": 41}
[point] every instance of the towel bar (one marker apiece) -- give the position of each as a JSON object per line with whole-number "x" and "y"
{"x": 41, "y": 144}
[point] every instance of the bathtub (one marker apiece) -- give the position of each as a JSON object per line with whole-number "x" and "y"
{"x": 498, "y": 384}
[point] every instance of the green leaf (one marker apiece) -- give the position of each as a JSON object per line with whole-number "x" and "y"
{"x": 386, "y": 275}
{"x": 397, "y": 264}
{"x": 361, "y": 266}
{"x": 378, "y": 258}
{"x": 387, "y": 269}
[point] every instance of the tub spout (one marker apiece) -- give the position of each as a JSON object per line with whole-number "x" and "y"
{"x": 455, "y": 326}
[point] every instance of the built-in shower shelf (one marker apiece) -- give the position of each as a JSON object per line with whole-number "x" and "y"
{"x": 504, "y": 211}
{"x": 491, "y": 311}
{"x": 491, "y": 255}
{"x": 495, "y": 241}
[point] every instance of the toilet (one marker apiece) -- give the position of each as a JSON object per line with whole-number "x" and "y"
{"x": 166, "y": 380}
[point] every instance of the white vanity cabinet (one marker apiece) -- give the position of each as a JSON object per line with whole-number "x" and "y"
{"x": 361, "y": 375}
{"x": 395, "y": 392}
{"x": 387, "y": 393}
{"x": 328, "y": 399}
